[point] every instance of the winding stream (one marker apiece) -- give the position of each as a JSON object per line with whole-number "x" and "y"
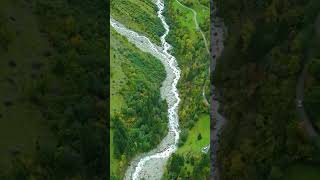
{"x": 151, "y": 165}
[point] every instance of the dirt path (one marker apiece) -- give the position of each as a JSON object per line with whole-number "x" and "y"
{"x": 206, "y": 45}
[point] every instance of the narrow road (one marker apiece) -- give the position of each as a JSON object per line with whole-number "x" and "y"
{"x": 299, "y": 101}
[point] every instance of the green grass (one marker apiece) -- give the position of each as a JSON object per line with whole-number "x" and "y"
{"x": 127, "y": 58}
{"x": 117, "y": 81}
{"x": 21, "y": 124}
{"x": 185, "y": 16}
{"x": 114, "y": 165}
{"x": 118, "y": 78}
{"x": 192, "y": 144}
{"x": 203, "y": 13}
{"x": 302, "y": 172}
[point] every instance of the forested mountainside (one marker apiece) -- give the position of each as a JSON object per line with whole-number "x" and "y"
{"x": 65, "y": 44}
{"x": 268, "y": 44}
{"x": 138, "y": 114}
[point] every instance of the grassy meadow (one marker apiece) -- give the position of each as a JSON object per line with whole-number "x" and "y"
{"x": 193, "y": 144}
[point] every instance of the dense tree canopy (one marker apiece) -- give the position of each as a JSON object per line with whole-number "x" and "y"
{"x": 264, "y": 52}
{"x": 71, "y": 95}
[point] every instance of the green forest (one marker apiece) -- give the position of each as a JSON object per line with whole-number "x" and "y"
{"x": 64, "y": 97}
{"x": 193, "y": 59}
{"x": 267, "y": 45}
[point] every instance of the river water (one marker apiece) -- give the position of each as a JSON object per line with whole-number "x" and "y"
{"x": 151, "y": 165}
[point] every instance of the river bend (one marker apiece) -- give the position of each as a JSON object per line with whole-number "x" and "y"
{"x": 151, "y": 165}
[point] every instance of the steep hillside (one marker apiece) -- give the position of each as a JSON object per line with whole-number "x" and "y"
{"x": 54, "y": 64}
{"x": 138, "y": 114}
{"x": 265, "y": 52}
